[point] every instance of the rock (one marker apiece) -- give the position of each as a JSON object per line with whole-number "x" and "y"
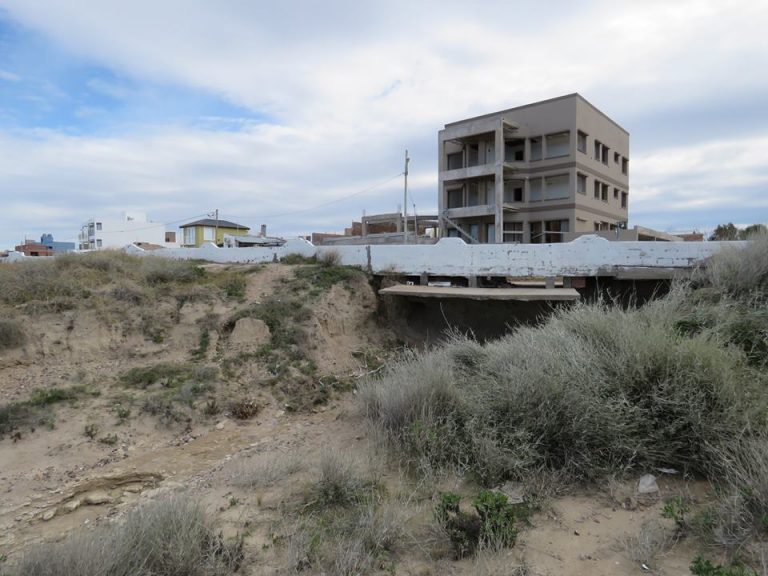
{"x": 219, "y": 426}
{"x": 647, "y": 485}
{"x": 647, "y": 489}
{"x": 97, "y": 498}
{"x": 48, "y": 514}
{"x": 72, "y": 505}
{"x": 249, "y": 333}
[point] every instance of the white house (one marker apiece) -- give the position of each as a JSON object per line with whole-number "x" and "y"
{"x": 98, "y": 233}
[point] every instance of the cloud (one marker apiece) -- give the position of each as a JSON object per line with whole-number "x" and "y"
{"x": 333, "y": 93}
{"x": 9, "y": 76}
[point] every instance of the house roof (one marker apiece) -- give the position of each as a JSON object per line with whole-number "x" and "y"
{"x": 212, "y": 222}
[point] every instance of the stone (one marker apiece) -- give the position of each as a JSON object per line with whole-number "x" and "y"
{"x": 647, "y": 489}
{"x": 250, "y": 334}
{"x": 49, "y": 514}
{"x": 647, "y": 485}
{"x": 72, "y": 505}
{"x": 97, "y": 498}
{"x": 219, "y": 426}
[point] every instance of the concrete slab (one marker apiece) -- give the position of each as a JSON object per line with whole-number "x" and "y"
{"x": 522, "y": 294}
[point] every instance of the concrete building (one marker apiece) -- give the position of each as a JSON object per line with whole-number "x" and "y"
{"x": 99, "y": 233}
{"x": 209, "y": 230}
{"x": 46, "y": 247}
{"x": 534, "y": 173}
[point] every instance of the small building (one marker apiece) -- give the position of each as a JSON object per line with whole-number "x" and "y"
{"x": 46, "y": 247}
{"x": 209, "y": 230}
{"x": 382, "y": 229}
{"x": 100, "y": 233}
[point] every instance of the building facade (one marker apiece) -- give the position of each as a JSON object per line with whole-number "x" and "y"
{"x": 100, "y": 233}
{"x": 209, "y": 230}
{"x": 534, "y": 173}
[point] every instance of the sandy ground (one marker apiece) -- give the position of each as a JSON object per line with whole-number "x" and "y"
{"x": 56, "y": 481}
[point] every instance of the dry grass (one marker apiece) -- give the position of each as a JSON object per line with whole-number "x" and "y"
{"x": 266, "y": 473}
{"x": 648, "y": 544}
{"x": 11, "y": 334}
{"x": 169, "y": 537}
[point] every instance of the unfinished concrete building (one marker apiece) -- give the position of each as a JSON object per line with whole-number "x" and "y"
{"x": 533, "y": 174}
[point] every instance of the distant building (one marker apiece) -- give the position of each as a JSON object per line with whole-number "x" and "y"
{"x": 210, "y": 230}
{"x": 99, "y": 233}
{"x": 533, "y": 173}
{"x": 46, "y": 247}
{"x": 381, "y": 229}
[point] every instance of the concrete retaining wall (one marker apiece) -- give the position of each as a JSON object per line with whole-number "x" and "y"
{"x": 585, "y": 256}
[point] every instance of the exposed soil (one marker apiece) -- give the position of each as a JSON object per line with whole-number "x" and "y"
{"x": 57, "y": 480}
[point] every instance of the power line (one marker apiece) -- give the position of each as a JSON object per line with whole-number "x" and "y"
{"x": 329, "y": 203}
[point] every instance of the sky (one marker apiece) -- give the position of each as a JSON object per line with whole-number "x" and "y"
{"x": 267, "y": 110}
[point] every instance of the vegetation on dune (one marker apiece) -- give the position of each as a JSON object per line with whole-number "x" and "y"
{"x": 37, "y": 411}
{"x": 598, "y": 391}
{"x": 61, "y": 283}
{"x": 11, "y": 334}
{"x": 168, "y": 537}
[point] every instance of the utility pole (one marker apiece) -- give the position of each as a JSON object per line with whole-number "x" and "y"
{"x": 216, "y": 229}
{"x": 405, "y": 200}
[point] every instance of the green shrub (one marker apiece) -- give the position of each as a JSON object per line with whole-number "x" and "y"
{"x": 702, "y": 567}
{"x": 493, "y": 525}
{"x": 11, "y": 334}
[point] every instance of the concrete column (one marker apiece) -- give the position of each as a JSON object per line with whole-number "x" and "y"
{"x": 499, "y": 185}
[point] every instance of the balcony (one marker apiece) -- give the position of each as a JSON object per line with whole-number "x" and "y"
{"x": 471, "y": 211}
{"x": 469, "y": 172}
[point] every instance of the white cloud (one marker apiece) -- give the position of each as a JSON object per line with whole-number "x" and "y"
{"x": 349, "y": 85}
{"x": 9, "y": 76}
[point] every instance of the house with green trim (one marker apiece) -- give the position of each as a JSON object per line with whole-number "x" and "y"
{"x": 209, "y": 230}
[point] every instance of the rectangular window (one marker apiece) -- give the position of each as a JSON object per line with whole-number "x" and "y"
{"x": 554, "y": 230}
{"x": 490, "y": 233}
{"x": 624, "y": 199}
{"x": 535, "y": 149}
{"x": 604, "y": 193}
{"x": 598, "y": 149}
{"x": 98, "y": 242}
{"x": 598, "y": 187}
{"x": 616, "y": 157}
{"x": 624, "y": 165}
{"x": 581, "y": 183}
{"x": 581, "y": 142}
{"x": 597, "y": 226}
{"x": 189, "y": 236}
{"x": 535, "y": 189}
{"x": 615, "y": 193}
{"x": 514, "y": 150}
{"x": 474, "y": 155}
{"x": 604, "y": 157}
{"x": 98, "y": 226}
{"x": 209, "y": 234}
{"x": 537, "y": 235}
{"x": 513, "y": 191}
{"x": 558, "y": 144}
{"x": 513, "y": 232}
{"x": 455, "y": 161}
{"x": 455, "y": 198}
{"x": 557, "y": 187}
{"x": 474, "y": 231}
{"x": 476, "y": 195}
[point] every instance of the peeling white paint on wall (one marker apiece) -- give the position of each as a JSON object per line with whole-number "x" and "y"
{"x": 585, "y": 256}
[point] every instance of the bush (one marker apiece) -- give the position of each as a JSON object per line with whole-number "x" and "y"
{"x": 493, "y": 525}
{"x": 595, "y": 391}
{"x": 169, "y": 537}
{"x": 11, "y": 334}
{"x": 340, "y": 481}
{"x": 741, "y": 271}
